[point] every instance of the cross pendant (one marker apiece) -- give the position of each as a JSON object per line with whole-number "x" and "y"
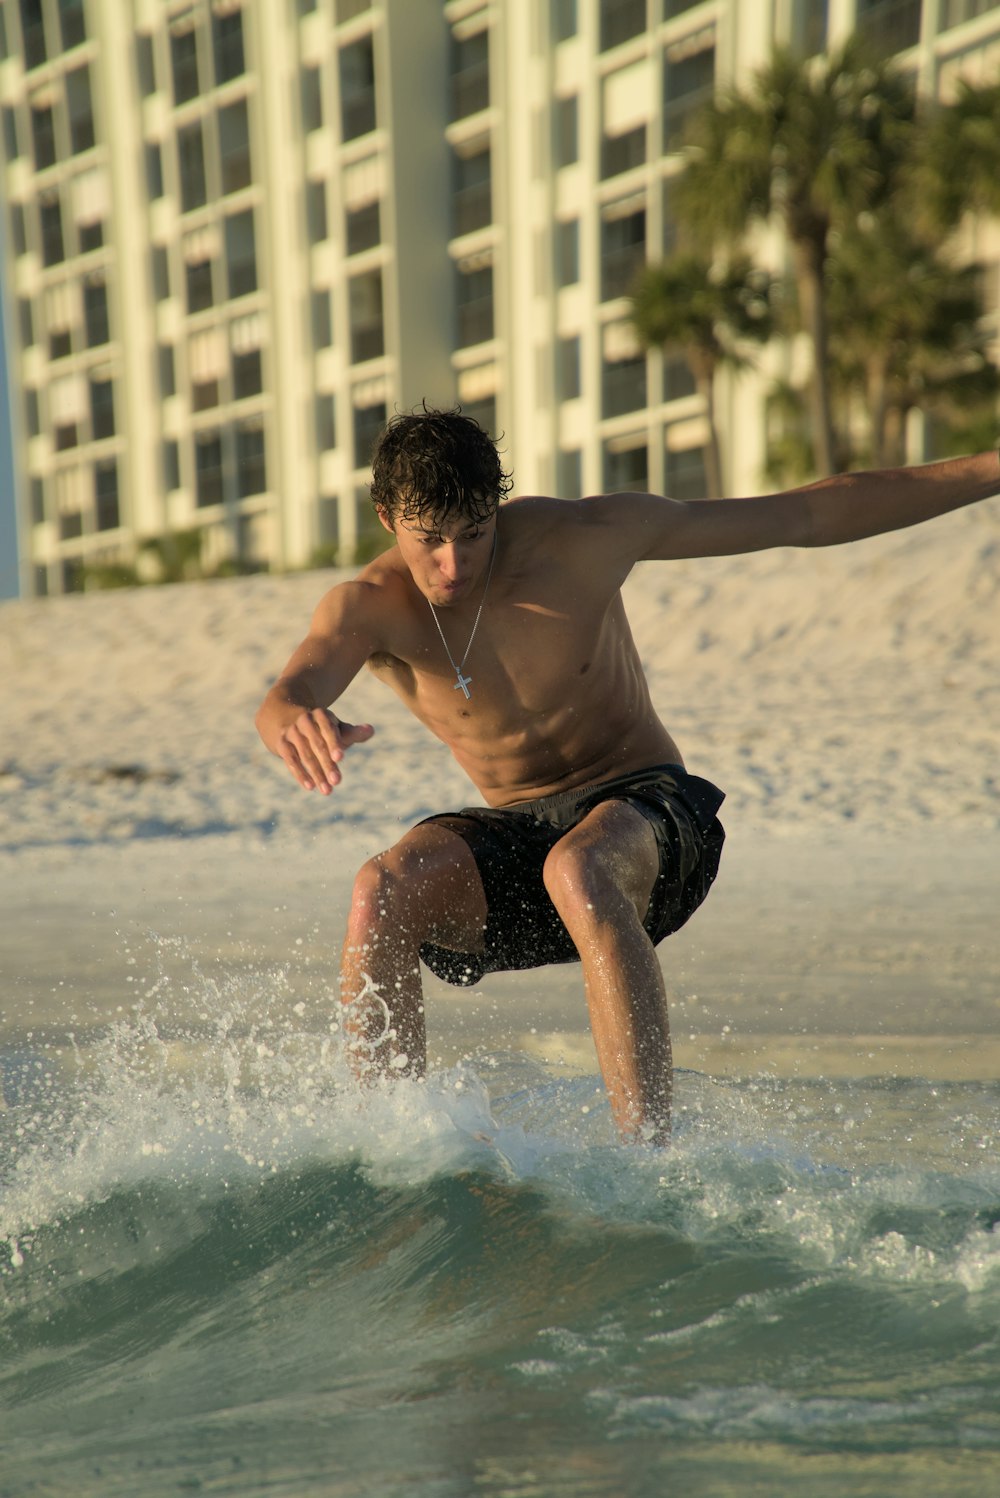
{"x": 463, "y": 682}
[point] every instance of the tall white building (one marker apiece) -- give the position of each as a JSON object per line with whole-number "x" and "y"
{"x": 239, "y": 233}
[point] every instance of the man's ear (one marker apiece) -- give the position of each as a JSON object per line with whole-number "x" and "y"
{"x": 385, "y": 520}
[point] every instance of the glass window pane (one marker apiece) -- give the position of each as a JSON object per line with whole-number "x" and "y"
{"x": 81, "y": 114}
{"x": 184, "y": 64}
{"x": 234, "y": 146}
{"x": 102, "y": 408}
{"x": 50, "y": 218}
{"x": 227, "y": 46}
{"x": 357, "y": 89}
{"x": 72, "y": 23}
{"x": 241, "y": 254}
{"x": 367, "y": 330}
{"x": 208, "y": 468}
{"x": 247, "y": 374}
{"x": 199, "y": 286}
{"x": 33, "y": 33}
{"x": 251, "y": 466}
{"x": 191, "y": 165}
{"x": 43, "y": 136}
{"x": 106, "y": 494}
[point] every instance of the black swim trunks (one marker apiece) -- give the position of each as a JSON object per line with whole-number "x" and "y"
{"x": 510, "y": 844}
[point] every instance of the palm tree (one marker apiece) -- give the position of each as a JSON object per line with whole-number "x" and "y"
{"x": 814, "y": 143}
{"x": 905, "y": 326}
{"x": 958, "y": 166}
{"x": 683, "y": 305}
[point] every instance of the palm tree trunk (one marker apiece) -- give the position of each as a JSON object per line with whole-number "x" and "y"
{"x": 705, "y": 384}
{"x": 878, "y": 410}
{"x": 808, "y": 256}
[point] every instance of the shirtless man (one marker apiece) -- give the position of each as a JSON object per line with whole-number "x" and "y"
{"x": 503, "y": 631}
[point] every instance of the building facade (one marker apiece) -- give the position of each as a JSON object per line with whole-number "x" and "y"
{"x": 240, "y": 233}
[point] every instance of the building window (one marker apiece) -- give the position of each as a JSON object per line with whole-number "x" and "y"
{"x": 154, "y": 172}
{"x": 53, "y": 246}
{"x": 563, "y": 20}
{"x": 889, "y": 25}
{"x": 311, "y": 99}
{"x": 166, "y": 370}
{"x": 72, "y": 23}
{"x": 251, "y": 467}
{"x": 102, "y": 408}
{"x": 18, "y": 231}
{"x": 620, "y": 20}
{"x": 208, "y": 468}
{"x": 567, "y": 253}
{"x": 234, "y": 146}
{"x": 31, "y": 413}
{"x": 70, "y": 527}
{"x": 684, "y": 474}
{"x": 363, "y": 226}
{"x": 191, "y": 165}
{"x": 37, "y": 502}
{"x": 322, "y": 322}
{"x": 11, "y": 148}
{"x": 368, "y": 424}
{"x": 33, "y": 33}
{"x": 43, "y": 136}
{"x": 227, "y": 45}
{"x": 688, "y": 82}
{"x": 623, "y": 249}
{"x": 623, "y": 385}
{"x": 678, "y": 381}
{"x": 317, "y": 227}
{"x": 241, "y": 254}
{"x": 248, "y": 377}
{"x": 471, "y": 191}
{"x": 357, "y": 89}
{"x": 27, "y": 322}
{"x": 204, "y": 394}
{"x": 367, "y": 324}
{"x": 80, "y": 110}
{"x": 91, "y": 237}
{"x": 470, "y": 74}
{"x": 66, "y": 436}
{"x": 569, "y": 474}
{"x": 106, "y": 494}
{"x": 626, "y": 466}
{"x": 161, "y": 274}
{"x": 566, "y": 131}
{"x": 60, "y": 343}
{"x": 200, "y": 296}
{"x": 184, "y": 63}
{"x": 326, "y": 426}
{"x": 474, "y": 304}
{"x": 145, "y": 60}
{"x": 568, "y": 369}
{"x": 95, "y": 311}
{"x": 171, "y": 456}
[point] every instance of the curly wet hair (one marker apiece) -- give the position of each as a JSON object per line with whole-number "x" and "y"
{"x": 435, "y": 465}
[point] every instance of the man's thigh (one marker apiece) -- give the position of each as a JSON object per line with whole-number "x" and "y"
{"x": 438, "y": 886}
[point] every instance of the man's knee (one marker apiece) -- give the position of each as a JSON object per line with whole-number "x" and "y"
{"x": 380, "y": 890}
{"x": 578, "y": 882}
{"x": 593, "y": 878}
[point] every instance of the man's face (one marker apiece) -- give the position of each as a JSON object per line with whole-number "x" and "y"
{"x": 448, "y": 559}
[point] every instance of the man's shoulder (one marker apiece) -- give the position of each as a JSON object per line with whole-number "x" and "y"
{"x": 545, "y": 512}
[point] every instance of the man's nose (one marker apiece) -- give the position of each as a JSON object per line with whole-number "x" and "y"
{"x": 448, "y": 561}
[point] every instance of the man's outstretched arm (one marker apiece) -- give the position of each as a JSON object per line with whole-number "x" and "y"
{"x": 845, "y": 507}
{"x": 295, "y": 720}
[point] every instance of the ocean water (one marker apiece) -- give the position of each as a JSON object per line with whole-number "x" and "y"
{"x": 224, "y": 1270}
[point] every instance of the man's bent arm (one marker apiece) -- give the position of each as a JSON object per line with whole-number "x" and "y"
{"x": 294, "y": 720}
{"x": 845, "y": 507}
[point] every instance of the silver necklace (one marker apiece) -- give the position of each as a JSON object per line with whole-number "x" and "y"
{"x": 464, "y": 682}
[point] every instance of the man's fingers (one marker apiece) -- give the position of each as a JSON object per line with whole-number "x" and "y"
{"x": 315, "y": 742}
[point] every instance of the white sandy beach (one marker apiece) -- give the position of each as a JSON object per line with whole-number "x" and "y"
{"x": 848, "y": 700}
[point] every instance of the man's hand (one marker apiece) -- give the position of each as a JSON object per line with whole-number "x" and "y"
{"x": 315, "y": 743}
